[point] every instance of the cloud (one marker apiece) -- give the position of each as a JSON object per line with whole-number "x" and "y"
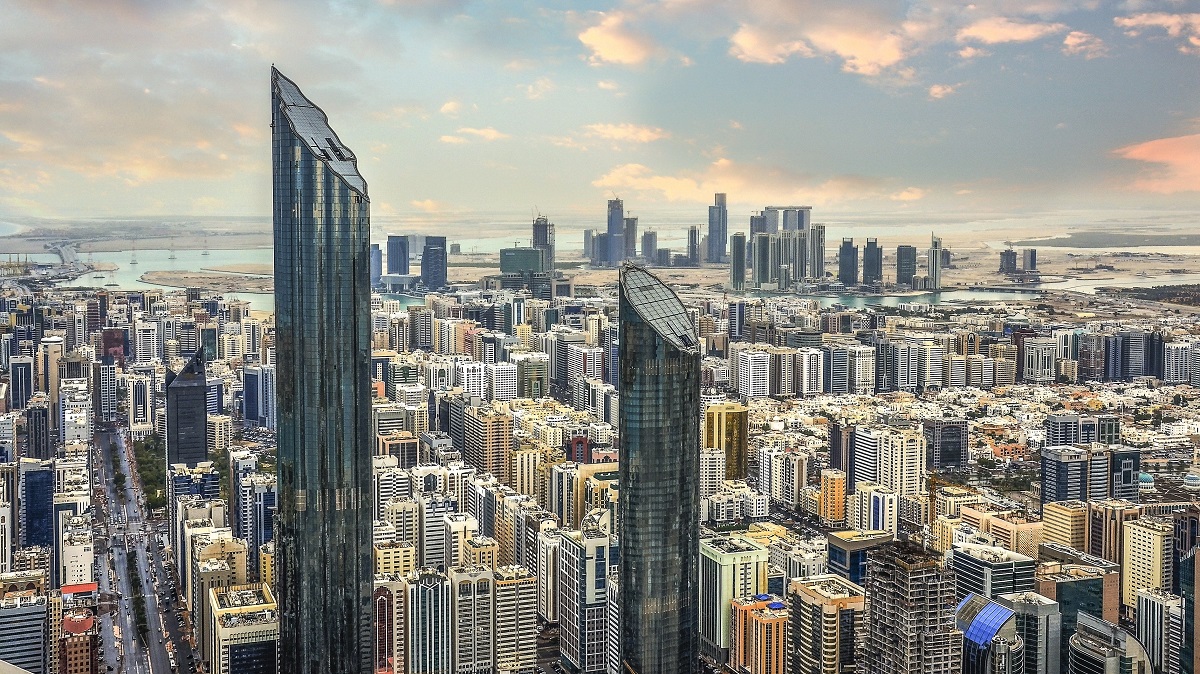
{"x": 1079, "y": 43}
{"x": 752, "y": 45}
{"x": 450, "y": 108}
{"x": 454, "y": 140}
{"x": 1185, "y": 26}
{"x": 970, "y": 52}
{"x": 539, "y": 88}
{"x": 908, "y": 194}
{"x": 998, "y": 30}
{"x": 612, "y": 41}
{"x": 939, "y": 91}
{"x": 862, "y": 48}
{"x": 633, "y": 133}
{"x": 428, "y": 205}
{"x": 608, "y": 85}
{"x": 750, "y": 182}
{"x": 1176, "y": 160}
{"x": 487, "y": 134}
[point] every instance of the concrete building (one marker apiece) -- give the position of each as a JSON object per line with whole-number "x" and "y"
{"x": 1148, "y": 556}
{"x": 910, "y": 614}
{"x": 826, "y": 624}
{"x": 245, "y": 630}
{"x": 990, "y": 571}
{"x": 759, "y": 635}
{"x": 730, "y": 567}
{"x": 1039, "y": 624}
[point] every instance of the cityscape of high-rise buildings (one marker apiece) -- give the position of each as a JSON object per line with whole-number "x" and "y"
{"x": 784, "y": 469}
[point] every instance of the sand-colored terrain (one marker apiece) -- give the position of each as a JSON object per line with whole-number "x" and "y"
{"x": 246, "y": 268}
{"x": 211, "y": 281}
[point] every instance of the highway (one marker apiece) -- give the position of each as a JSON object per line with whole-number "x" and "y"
{"x": 130, "y": 532}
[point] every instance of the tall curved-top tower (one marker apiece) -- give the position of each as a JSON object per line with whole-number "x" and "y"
{"x": 322, "y": 302}
{"x": 659, "y": 508}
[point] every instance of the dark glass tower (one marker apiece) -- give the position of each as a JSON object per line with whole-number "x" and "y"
{"x": 660, "y": 497}
{"x": 323, "y": 340}
{"x": 433, "y": 263}
{"x": 187, "y": 413}
{"x": 397, "y": 254}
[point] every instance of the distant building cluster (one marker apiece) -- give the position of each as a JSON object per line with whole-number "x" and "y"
{"x": 523, "y": 475}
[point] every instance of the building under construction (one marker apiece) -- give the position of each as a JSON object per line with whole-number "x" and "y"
{"x": 910, "y": 614}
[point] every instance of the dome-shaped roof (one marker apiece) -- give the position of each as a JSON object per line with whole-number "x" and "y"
{"x": 1146, "y": 478}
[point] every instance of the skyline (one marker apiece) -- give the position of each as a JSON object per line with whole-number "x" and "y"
{"x": 925, "y": 109}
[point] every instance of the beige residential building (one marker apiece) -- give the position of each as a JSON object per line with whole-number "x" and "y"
{"x": 1147, "y": 561}
{"x": 243, "y": 617}
{"x": 1065, "y": 523}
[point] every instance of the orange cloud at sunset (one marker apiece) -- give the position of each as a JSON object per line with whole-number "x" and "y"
{"x": 1179, "y": 164}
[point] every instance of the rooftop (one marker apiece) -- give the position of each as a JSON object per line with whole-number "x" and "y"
{"x": 660, "y": 307}
{"x": 311, "y": 125}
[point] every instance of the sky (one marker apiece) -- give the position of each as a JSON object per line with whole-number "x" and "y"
{"x": 920, "y": 109}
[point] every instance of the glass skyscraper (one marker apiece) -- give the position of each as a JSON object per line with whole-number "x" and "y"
{"x": 187, "y": 413}
{"x": 323, "y": 341}
{"x": 659, "y": 469}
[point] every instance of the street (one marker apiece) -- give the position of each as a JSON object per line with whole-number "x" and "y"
{"x": 129, "y": 532}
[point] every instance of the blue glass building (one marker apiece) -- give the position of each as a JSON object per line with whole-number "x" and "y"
{"x": 660, "y": 494}
{"x": 323, "y": 340}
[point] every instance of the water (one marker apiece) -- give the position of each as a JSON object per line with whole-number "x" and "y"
{"x": 128, "y": 277}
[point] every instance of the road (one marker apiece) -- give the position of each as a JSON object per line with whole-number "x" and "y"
{"x": 130, "y": 532}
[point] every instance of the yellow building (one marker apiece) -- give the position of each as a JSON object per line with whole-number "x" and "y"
{"x": 727, "y": 427}
{"x": 943, "y": 533}
{"x": 488, "y": 439}
{"x": 481, "y": 551}
{"x": 1148, "y": 544}
{"x": 398, "y": 557}
{"x": 831, "y": 503}
{"x": 266, "y": 563}
{"x": 1065, "y": 523}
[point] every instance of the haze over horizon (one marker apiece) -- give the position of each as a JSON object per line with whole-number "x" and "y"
{"x": 925, "y": 110}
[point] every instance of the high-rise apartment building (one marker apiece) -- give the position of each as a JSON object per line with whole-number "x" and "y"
{"x": 1161, "y": 628}
{"x": 1148, "y": 556}
{"x": 245, "y": 630}
{"x": 585, "y": 557}
{"x": 826, "y": 624}
{"x": 730, "y": 567}
{"x": 910, "y": 614}
{"x": 322, "y": 349}
{"x": 516, "y": 618}
{"x": 718, "y": 228}
{"x": 659, "y": 478}
{"x": 187, "y": 413}
{"x": 759, "y": 635}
